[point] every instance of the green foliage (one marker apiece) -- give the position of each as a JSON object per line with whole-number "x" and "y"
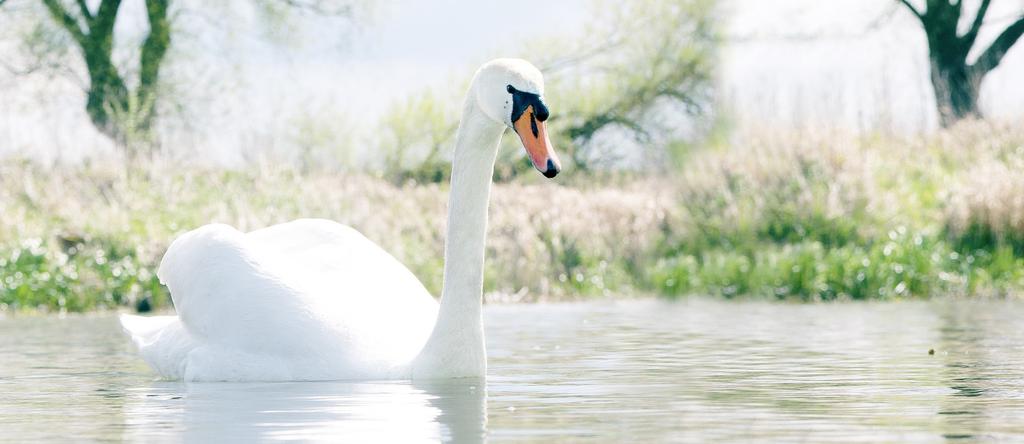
{"x": 321, "y": 138}
{"x": 75, "y": 275}
{"x": 651, "y": 59}
{"x": 984, "y": 209}
{"x": 582, "y": 270}
{"x": 122, "y": 224}
{"x": 831, "y": 218}
{"x": 417, "y": 136}
{"x": 656, "y": 65}
{"x": 811, "y": 217}
{"x": 906, "y": 265}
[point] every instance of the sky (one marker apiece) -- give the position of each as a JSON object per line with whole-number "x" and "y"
{"x": 409, "y": 45}
{"x": 859, "y": 64}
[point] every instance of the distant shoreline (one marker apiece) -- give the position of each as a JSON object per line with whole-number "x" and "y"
{"x": 793, "y": 216}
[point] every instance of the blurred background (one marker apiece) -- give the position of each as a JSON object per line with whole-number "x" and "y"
{"x": 789, "y": 149}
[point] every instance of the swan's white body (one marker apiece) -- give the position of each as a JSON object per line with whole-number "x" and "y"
{"x": 304, "y": 300}
{"x": 316, "y": 300}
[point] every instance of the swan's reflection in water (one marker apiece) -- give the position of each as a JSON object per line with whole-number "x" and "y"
{"x": 387, "y": 411}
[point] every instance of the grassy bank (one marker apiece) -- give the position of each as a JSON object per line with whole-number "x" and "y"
{"x": 805, "y": 216}
{"x": 821, "y": 216}
{"x": 90, "y": 238}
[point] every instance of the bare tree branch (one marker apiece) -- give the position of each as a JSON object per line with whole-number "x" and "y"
{"x": 583, "y": 55}
{"x": 321, "y": 7}
{"x": 66, "y": 20}
{"x": 85, "y": 10}
{"x": 990, "y": 59}
{"x": 106, "y": 15}
{"x": 17, "y": 70}
{"x": 912, "y": 9}
{"x": 972, "y": 32}
{"x": 153, "y": 50}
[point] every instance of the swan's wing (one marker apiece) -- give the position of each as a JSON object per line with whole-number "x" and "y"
{"x": 223, "y": 295}
{"x": 333, "y": 262}
{"x": 309, "y": 287}
{"x": 355, "y": 285}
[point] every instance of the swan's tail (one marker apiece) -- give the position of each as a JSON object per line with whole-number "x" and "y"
{"x": 162, "y": 342}
{"x": 142, "y": 329}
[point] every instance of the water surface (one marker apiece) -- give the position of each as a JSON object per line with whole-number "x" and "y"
{"x": 638, "y": 371}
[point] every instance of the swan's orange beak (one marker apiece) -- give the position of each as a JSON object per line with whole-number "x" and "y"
{"x": 535, "y": 139}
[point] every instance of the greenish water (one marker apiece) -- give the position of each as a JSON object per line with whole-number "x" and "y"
{"x": 643, "y": 371}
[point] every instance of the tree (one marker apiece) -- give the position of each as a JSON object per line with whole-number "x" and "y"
{"x": 113, "y": 107}
{"x": 123, "y": 103}
{"x": 956, "y": 82}
{"x": 653, "y": 76}
{"x": 414, "y": 136}
{"x": 644, "y": 75}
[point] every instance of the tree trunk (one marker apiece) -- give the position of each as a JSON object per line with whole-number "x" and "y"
{"x": 956, "y": 92}
{"x": 956, "y": 83}
{"x": 955, "y": 89}
{"x": 107, "y": 98}
{"x": 153, "y": 50}
{"x": 124, "y": 115}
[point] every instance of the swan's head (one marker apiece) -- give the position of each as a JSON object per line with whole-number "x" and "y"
{"x": 511, "y": 91}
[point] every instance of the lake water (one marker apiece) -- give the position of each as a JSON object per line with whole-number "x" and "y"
{"x": 639, "y": 371}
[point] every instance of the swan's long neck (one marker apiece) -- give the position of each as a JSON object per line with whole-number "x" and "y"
{"x": 456, "y": 346}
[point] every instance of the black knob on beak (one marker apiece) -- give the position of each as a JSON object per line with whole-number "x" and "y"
{"x": 551, "y": 170}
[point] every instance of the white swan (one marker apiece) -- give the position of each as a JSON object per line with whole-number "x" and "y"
{"x": 315, "y": 300}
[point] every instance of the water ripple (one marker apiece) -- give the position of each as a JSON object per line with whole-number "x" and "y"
{"x": 642, "y": 371}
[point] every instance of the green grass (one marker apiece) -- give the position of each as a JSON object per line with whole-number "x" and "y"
{"x": 906, "y": 266}
{"x": 795, "y": 216}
